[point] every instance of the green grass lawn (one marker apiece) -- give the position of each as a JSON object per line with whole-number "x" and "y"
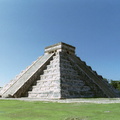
{"x": 24, "y": 110}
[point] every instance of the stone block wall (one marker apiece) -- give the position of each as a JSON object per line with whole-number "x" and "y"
{"x": 49, "y": 84}
{"x": 72, "y": 84}
{"x": 59, "y": 73}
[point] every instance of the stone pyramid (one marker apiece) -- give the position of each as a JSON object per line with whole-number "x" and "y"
{"x": 59, "y": 73}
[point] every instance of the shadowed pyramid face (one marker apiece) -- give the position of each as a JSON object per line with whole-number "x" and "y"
{"x": 59, "y": 73}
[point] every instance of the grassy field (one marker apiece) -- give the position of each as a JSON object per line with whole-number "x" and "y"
{"x": 24, "y": 110}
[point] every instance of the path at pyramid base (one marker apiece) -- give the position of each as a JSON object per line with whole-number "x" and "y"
{"x": 58, "y": 74}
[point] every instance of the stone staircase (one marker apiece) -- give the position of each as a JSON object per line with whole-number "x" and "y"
{"x": 69, "y": 77}
{"x": 59, "y": 73}
{"x": 72, "y": 83}
{"x": 19, "y": 86}
{"x": 12, "y": 82}
{"x": 93, "y": 76}
{"x": 48, "y": 86}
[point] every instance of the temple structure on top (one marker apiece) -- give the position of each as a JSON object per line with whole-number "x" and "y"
{"x": 60, "y": 47}
{"x": 59, "y": 73}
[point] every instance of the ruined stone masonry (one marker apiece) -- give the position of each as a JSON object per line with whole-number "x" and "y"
{"x": 59, "y": 73}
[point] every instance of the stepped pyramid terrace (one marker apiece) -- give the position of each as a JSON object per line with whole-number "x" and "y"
{"x": 58, "y": 74}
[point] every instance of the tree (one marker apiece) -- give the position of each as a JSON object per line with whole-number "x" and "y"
{"x": 115, "y": 84}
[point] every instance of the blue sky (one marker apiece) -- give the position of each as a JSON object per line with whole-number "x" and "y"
{"x": 28, "y": 26}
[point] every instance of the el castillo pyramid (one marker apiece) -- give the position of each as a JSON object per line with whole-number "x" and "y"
{"x": 59, "y": 73}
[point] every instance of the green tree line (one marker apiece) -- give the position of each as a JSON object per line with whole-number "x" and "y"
{"x": 115, "y": 84}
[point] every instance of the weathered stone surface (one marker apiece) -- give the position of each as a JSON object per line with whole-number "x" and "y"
{"x": 59, "y": 73}
{"x": 49, "y": 84}
{"x": 19, "y": 86}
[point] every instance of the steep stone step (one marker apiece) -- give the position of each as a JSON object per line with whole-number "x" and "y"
{"x": 49, "y": 71}
{"x": 59, "y": 73}
{"x": 27, "y": 79}
{"x": 49, "y": 83}
{"x": 94, "y": 77}
{"x": 7, "y": 86}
